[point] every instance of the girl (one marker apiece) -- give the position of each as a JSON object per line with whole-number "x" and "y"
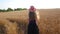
{"x": 32, "y": 27}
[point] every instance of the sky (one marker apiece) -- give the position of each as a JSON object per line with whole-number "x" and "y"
{"x": 39, "y": 4}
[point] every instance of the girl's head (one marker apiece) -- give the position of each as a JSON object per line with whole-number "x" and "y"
{"x": 32, "y": 8}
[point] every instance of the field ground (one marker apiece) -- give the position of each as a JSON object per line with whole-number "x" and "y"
{"x": 49, "y": 22}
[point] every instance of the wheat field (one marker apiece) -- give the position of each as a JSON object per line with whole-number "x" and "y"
{"x": 16, "y": 22}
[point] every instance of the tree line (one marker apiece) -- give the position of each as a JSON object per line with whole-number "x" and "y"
{"x": 10, "y": 9}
